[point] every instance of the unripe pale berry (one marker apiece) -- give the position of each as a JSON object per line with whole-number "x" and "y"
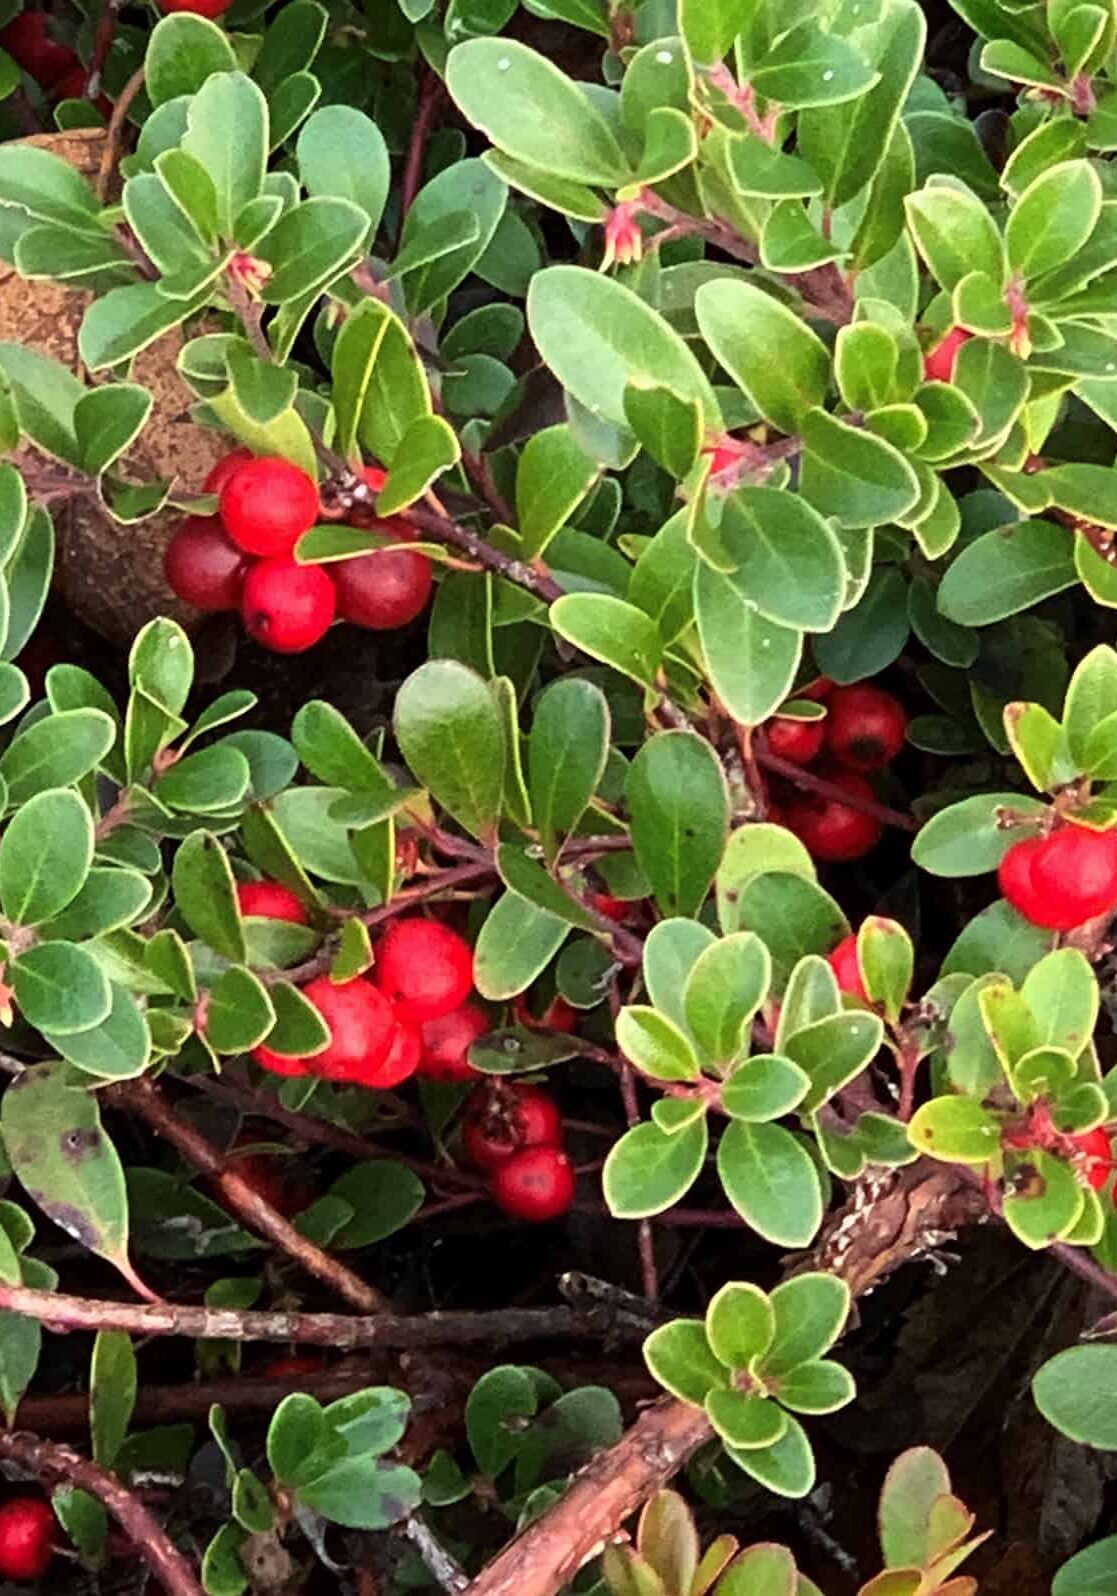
{"x": 424, "y": 968}
{"x": 272, "y": 900}
{"x": 287, "y": 607}
{"x": 203, "y": 566}
{"x": 267, "y": 504}
{"x": 536, "y": 1184}
{"x": 864, "y": 727}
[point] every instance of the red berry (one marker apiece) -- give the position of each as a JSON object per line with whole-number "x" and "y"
{"x": 938, "y": 363}
{"x": 375, "y": 476}
{"x": 845, "y": 965}
{"x": 499, "y": 1121}
{"x": 200, "y": 8}
{"x": 401, "y": 1060}
{"x": 612, "y": 908}
{"x": 1059, "y": 881}
{"x": 291, "y": 1368}
{"x": 224, "y": 469}
{"x": 71, "y": 86}
{"x": 1097, "y": 1156}
{"x": 361, "y": 1023}
{"x": 26, "y": 1537}
{"x": 829, "y": 829}
{"x": 272, "y": 900}
{"x": 818, "y": 690}
{"x": 383, "y": 590}
{"x": 203, "y": 567}
{"x": 864, "y": 727}
{"x": 446, "y": 1043}
{"x": 425, "y": 968}
{"x": 268, "y": 503}
{"x": 28, "y": 41}
{"x": 558, "y": 1016}
{"x": 279, "y": 1063}
{"x": 536, "y": 1184}
{"x": 797, "y": 740}
{"x": 287, "y": 607}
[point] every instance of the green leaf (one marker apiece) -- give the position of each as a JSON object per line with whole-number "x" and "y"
{"x": 1008, "y": 570}
{"x": 755, "y": 850}
{"x": 379, "y": 385}
{"x": 766, "y": 1570}
{"x": 597, "y": 337}
{"x": 668, "y": 426}
{"x": 553, "y": 477}
{"x": 66, "y": 1163}
{"x": 810, "y": 1312}
{"x": 655, "y": 1045}
{"x": 342, "y": 155}
{"x": 680, "y": 1357}
{"x": 227, "y": 134}
{"x": 296, "y": 1432}
{"x": 955, "y": 233}
{"x": 240, "y": 1013}
{"x": 649, "y": 1169}
{"x": 710, "y": 27}
{"x": 384, "y": 1197}
{"x": 852, "y": 476}
{"x": 1091, "y": 697}
{"x": 112, "y": 1394}
{"x": 788, "y": 1469}
{"x": 772, "y": 1182}
{"x": 745, "y": 1420}
{"x": 679, "y": 807}
{"x": 55, "y": 752}
{"x": 125, "y": 320}
{"x": 567, "y": 749}
{"x": 182, "y": 53}
{"x": 821, "y": 1386}
{"x": 956, "y": 1128}
{"x": 450, "y": 732}
{"x": 516, "y": 943}
{"x": 223, "y": 1571}
{"x": 887, "y": 959}
{"x": 792, "y": 915}
{"x": 47, "y": 187}
{"x": 787, "y": 560}
{"x": 612, "y": 630}
{"x": 1053, "y": 218}
{"x": 833, "y": 1051}
{"x": 764, "y": 1088}
{"x": 310, "y": 245}
{"x": 1038, "y": 1217}
{"x": 740, "y": 1324}
{"x": 811, "y": 66}
{"x": 427, "y": 449}
{"x": 60, "y": 988}
{"x": 470, "y": 191}
{"x": 726, "y": 986}
{"x": 45, "y": 855}
{"x": 119, "y": 1048}
{"x": 361, "y": 1493}
{"x": 967, "y": 838}
{"x": 107, "y": 421}
{"x": 529, "y": 109}
{"x": 205, "y": 894}
{"x": 770, "y": 352}
{"x": 1091, "y": 1572}
{"x": 208, "y": 781}
{"x": 1075, "y": 1391}
{"x": 671, "y": 950}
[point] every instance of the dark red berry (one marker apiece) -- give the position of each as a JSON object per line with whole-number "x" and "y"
{"x": 27, "y": 1526}
{"x": 796, "y": 740}
{"x": 224, "y": 469}
{"x": 71, "y": 86}
{"x": 268, "y": 503}
{"x": 266, "y": 1179}
{"x": 612, "y": 908}
{"x": 200, "y": 8}
{"x": 383, "y": 590}
{"x": 1061, "y": 880}
{"x": 536, "y": 1184}
{"x": 272, "y": 900}
{"x": 361, "y": 1024}
{"x": 938, "y": 363}
{"x": 845, "y": 965}
{"x": 500, "y": 1120}
{"x": 558, "y": 1016}
{"x": 829, "y": 829}
{"x": 865, "y": 726}
{"x": 287, "y": 607}
{"x": 425, "y": 969}
{"x": 401, "y": 1060}
{"x": 447, "y": 1041}
{"x": 291, "y": 1368}
{"x": 1096, "y": 1156}
{"x": 203, "y": 567}
{"x": 27, "y": 39}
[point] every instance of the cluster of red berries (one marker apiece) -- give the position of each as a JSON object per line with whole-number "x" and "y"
{"x": 1063, "y": 879}
{"x": 243, "y": 559}
{"x": 862, "y": 731}
{"x": 410, "y": 1012}
{"x": 55, "y": 67}
{"x": 513, "y": 1134}
{"x": 26, "y": 1537}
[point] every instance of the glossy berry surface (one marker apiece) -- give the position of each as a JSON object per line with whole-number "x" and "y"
{"x": 383, "y": 590}
{"x": 279, "y": 1063}
{"x": 499, "y": 1122}
{"x": 272, "y": 900}
{"x": 267, "y": 504}
{"x": 28, "y": 41}
{"x": 1096, "y": 1156}
{"x": 27, "y": 1527}
{"x": 844, "y": 963}
{"x": 446, "y": 1043}
{"x": 938, "y": 363}
{"x": 612, "y": 908}
{"x": 224, "y": 469}
{"x": 829, "y": 829}
{"x": 203, "y": 567}
{"x": 1059, "y": 881}
{"x": 361, "y": 1023}
{"x": 287, "y": 607}
{"x": 401, "y": 1060}
{"x": 796, "y": 740}
{"x": 200, "y": 8}
{"x": 557, "y": 1016}
{"x": 424, "y": 968}
{"x": 865, "y": 726}
{"x": 536, "y": 1184}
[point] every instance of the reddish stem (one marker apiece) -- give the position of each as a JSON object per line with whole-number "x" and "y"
{"x": 431, "y": 90}
{"x": 828, "y": 789}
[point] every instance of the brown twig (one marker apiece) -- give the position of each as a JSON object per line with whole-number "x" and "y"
{"x": 49, "y": 1461}
{"x": 444, "y": 530}
{"x": 431, "y": 92}
{"x": 102, "y": 45}
{"x": 343, "y": 1332}
{"x": 144, "y": 1099}
{"x": 828, "y": 789}
{"x": 1080, "y": 1263}
{"x": 115, "y": 132}
{"x": 645, "y": 1233}
{"x": 479, "y": 472}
